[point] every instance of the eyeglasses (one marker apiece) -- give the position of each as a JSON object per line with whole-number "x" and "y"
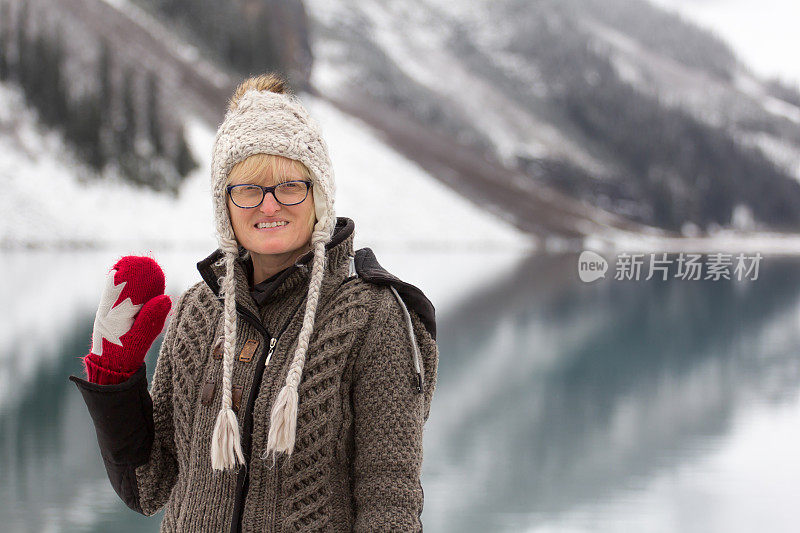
{"x": 248, "y": 195}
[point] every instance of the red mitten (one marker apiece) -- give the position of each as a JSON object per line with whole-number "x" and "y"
{"x": 131, "y": 314}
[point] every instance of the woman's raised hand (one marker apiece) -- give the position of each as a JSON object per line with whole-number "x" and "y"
{"x": 131, "y": 314}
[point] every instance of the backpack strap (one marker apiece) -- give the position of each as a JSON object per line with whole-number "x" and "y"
{"x": 364, "y": 265}
{"x": 367, "y": 267}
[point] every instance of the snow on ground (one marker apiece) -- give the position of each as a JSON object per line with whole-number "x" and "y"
{"x": 749, "y": 85}
{"x": 393, "y": 201}
{"x": 724, "y": 240}
{"x": 778, "y": 149}
{"x": 45, "y": 205}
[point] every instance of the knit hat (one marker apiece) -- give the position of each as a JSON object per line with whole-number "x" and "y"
{"x": 266, "y": 122}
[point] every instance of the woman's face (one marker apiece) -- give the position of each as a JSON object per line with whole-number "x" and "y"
{"x": 284, "y": 243}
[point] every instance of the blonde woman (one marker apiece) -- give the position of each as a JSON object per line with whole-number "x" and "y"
{"x": 293, "y": 382}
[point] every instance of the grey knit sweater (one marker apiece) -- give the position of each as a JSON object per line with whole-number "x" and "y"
{"x": 358, "y": 453}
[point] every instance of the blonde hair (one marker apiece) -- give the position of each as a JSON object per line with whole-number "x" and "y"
{"x": 257, "y": 167}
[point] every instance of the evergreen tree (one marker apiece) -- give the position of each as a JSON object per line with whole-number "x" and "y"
{"x": 58, "y": 80}
{"x": 126, "y": 135}
{"x": 153, "y": 119}
{"x": 104, "y": 99}
{"x": 104, "y": 78}
{"x": 126, "y": 154}
{"x": 87, "y": 121}
{"x": 184, "y": 162}
{"x": 22, "y": 44}
{"x": 46, "y": 83}
{"x": 4, "y": 59}
{"x": 83, "y": 129}
{"x": 35, "y": 63}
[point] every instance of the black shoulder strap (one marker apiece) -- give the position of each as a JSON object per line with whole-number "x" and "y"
{"x": 368, "y": 268}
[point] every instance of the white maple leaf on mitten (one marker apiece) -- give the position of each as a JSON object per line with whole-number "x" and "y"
{"x": 112, "y": 321}
{"x": 123, "y": 333}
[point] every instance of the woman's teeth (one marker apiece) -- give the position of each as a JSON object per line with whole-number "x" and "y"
{"x": 271, "y": 224}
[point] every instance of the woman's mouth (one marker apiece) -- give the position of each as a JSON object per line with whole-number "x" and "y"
{"x": 271, "y": 226}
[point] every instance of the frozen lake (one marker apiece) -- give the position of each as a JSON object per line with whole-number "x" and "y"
{"x": 561, "y": 406}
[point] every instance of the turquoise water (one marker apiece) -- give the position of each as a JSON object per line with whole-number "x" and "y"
{"x": 561, "y": 406}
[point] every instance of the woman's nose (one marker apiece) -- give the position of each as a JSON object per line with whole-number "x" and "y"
{"x": 270, "y": 204}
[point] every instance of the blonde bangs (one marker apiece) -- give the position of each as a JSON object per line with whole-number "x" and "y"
{"x": 268, "y": 169}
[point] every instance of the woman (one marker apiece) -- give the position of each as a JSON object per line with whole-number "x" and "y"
{"x": 293, "y": 382}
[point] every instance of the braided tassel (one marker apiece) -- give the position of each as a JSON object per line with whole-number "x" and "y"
{"x": 283, "y": 421}
{"x": 226, "y": 445}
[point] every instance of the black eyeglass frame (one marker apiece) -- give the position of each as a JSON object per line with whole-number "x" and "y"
{"x": 265, "y": 190}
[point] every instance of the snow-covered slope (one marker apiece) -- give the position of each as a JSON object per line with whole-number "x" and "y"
{"x": 416, "y": 38}
{"x": 763, "y": 37}
{"x": 394, "y": 202}
{"x": 391, "y": 199}
{"x": 50, "y": 198}
{"x": 558, "y": 90}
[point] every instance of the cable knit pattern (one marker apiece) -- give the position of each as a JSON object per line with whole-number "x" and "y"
{"x": 358, "y": 450}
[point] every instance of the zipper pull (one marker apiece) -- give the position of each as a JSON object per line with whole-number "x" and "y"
{"x": 272, "y": 343}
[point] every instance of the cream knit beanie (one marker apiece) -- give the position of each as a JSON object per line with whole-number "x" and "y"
{"x": 266, "y": 122}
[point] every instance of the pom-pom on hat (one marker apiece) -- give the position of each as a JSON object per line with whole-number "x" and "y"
{"x": 265, "y": 119}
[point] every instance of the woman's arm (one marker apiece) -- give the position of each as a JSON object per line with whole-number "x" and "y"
{"x": 389, "y": 418}
{"x": 135, "y": 429}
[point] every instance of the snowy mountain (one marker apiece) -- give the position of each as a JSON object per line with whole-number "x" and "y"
{"x": 615, "y": 102}
{"x": 76, "y": 209}
{"x": 68, "y": 213}
{"x": 491, "y": 122}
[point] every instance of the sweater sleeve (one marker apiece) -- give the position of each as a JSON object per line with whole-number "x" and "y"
{"x": 389, "y": 416}
{"x": 135, "y": 429}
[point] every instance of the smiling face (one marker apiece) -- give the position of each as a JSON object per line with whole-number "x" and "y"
{"x": 275, "y": 248}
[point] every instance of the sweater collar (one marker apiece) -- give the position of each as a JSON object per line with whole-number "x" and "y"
{"x": 338, "y": 251}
